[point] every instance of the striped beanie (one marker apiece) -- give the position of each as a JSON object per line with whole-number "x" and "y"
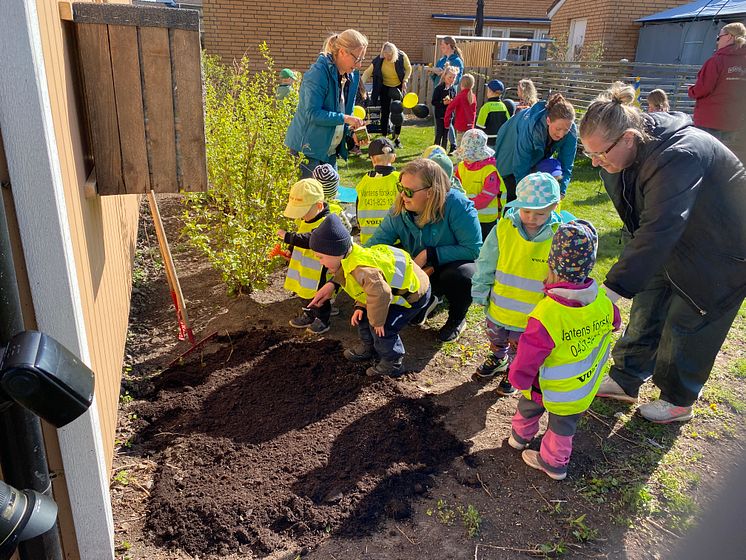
{"x": 329, "y": 179}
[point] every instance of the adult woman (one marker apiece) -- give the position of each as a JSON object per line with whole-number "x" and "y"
{"x": 450, "y": 56}
{"x": 548, "y": 127}
{"x": 680, "y": 193}
{"x": 327, "y": 95}
{"x": 527, "y": 96}
{"x": 439, "y": 227}
{"x": 390, "y": 72}
{"x": 721, "y": 85}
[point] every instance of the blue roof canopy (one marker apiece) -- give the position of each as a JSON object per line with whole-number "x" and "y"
{"x": 702, "y": 9}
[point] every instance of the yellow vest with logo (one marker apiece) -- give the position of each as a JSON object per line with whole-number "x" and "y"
{"x": 519, "y": 278}
{"x": 304, "y": 269}
{"x": 473, "y": 184}
{"x": 571, "y": 374}
{"x": 396, "y": 265}
{"x": 375, "y": 196}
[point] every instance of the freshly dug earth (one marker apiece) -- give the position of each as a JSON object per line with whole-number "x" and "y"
{"x": 273, "y": 442}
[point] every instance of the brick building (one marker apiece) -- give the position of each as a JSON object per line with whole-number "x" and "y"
{"x": 295, "y": 29}
{"x": 585, "y": 22}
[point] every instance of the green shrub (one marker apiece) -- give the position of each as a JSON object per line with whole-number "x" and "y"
{"x": 249, "y": 171}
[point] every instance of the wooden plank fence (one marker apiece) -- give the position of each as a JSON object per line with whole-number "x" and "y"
{"x": 579, "y": 82}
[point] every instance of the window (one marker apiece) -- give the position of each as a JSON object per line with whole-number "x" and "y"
{"x": 576, "y": 38}
{"x": 467, "y": 31}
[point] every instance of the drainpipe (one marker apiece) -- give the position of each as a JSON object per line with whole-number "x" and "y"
{"x": 22, "y": 454}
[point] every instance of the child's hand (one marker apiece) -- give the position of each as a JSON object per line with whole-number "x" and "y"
{"x": 281, "y": 234}
{"x": 379, "y": 331}
{"x": 446, "y": 100}
{"x": 357, "y": 316}
{"x": 325, "y": 292}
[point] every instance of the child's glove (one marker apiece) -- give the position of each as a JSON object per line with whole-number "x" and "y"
{"x": 278, "y": 251}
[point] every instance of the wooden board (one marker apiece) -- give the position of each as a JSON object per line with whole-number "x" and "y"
{"x": 127, "y": 14}
{"x": 191, "y": 163}
{"x": 93, "y": 40}
{"x": 159, "y": 108}
{"x": 126, "y": 71}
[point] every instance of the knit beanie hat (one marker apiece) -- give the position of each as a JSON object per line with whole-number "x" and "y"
{"x": 573, "y": 252}
{"x": 331, "y": 237}
{"x": 329, "y": 179}
{"x": 443, "y": 161}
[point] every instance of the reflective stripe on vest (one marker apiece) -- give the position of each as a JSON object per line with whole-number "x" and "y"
{"x": 375, "y": 196}
{"x": 304, "y": 269}
{"x": 395, "y": 264}
{"x": 571, "y": 374}
{"x": 519, "y": 278}
{"x": 473, "y": 184}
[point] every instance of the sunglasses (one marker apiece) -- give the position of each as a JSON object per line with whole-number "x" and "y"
{"x": 720, "y": 37}
{"x": 409, "y": 193}
{"x": 602, "y": 155}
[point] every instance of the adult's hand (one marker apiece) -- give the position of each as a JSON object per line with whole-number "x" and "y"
{"x": 404, "y": 88}
{"x": 353, "y": 121}
{"x": 325, "y": 293}
{"x": 421, "y": 258}
{"x": 357, "y": 316}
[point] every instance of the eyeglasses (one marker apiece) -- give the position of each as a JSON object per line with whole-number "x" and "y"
{"x": 358, "y": 59}
{"x": 721, "y": 36}
{"x": 409, "y": 193}
{"x": 602, "y": 155}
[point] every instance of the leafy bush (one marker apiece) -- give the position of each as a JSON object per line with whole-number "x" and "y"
{"x": 249, "y": 171}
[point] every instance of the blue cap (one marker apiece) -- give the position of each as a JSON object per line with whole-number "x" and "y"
{"x": 551, "y": 166}
{"x": 536, "y": 191}
{"x": 495, "y": 85}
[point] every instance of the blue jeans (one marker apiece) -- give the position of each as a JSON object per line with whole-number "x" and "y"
{"x": 390, "y": 347}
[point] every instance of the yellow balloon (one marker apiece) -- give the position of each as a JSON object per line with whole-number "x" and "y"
{"x": 358, "y": 111}
{"x": 410, "y": 100}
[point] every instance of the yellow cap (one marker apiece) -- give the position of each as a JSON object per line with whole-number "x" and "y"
{"x": 303, "y": 194}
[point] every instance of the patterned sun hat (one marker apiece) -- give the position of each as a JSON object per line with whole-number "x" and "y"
{"x": 573, "y": 252}
{"x": 473, "y": 146}
{"x": 536, "y": 191}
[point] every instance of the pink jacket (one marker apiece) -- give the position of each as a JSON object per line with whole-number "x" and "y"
{"x": 491, "y": 188}
{"x": 535, "y": 343}
{"x": 464, "y": 113}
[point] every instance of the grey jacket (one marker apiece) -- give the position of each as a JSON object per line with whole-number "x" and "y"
{"x": 684, "y": 202}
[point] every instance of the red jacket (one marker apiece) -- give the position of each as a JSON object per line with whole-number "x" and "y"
{"x": 720, "y": 90}
{"x": 464, "y": 113}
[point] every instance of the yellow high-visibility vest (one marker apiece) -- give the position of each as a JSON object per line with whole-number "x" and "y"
{"x": 304, "y": 269}
{"x": 396, "y": 265}
{"x": 519, "y": 278}
{"x": 375, "y": 196}
{"x": 473, "y": 183}
{"x": 571, "y": 374}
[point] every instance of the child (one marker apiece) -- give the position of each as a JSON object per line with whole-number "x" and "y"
{"x": 388, "y": 288}
{"x": 658, "y": 101}
{"x": 511, "y": 269}
{"x": 446, "y": 165}
{"x": 493, "y": 113}
{"x": 329, "y": 179}
{"x": 305, "y": 273}
{"x": 554, "y": 168}
{"x": 463, "y": 108}
{"x": 563, "y": 350}
{"x": 444, "y": 93}
{"x": 479, "y": 177}
{"x": 527, "y": 96}
{"x": 287, "y": 78}
{"x": 376, "y": 191}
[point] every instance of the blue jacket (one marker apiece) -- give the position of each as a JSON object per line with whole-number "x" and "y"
{"x": 454, "y": 60}
{"x": 521, "y": 142}
{"x": 457, "y": 237}
{"x": 312, "y": 128}
{"x": 484, "y": 277}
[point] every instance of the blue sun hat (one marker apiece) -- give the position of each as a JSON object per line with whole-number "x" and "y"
{"x": 473, "y": 146}
{"x": 536, "y": 191}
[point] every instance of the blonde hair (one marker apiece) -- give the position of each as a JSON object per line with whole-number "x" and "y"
{"x": 349, "y": 40}
{"x": 467, "y": 83}
{"x": 612, "y": 113}
{"x": 383, "y": 159}
{"x": 451, "y": 42}
{"x": 436, "y": 181}
{"x": 390, "y": 48}
{"x": 528, "y": 92}
{"x": 448, "y": 69}
{"x": 736, "y": 30}
{"x": 658, "y": 99}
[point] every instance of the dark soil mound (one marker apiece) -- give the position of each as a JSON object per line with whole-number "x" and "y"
{"x": 273, "y": 443}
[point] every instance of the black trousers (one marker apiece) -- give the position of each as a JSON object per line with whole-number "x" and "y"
{"x": 453, "y": 280}
{"x": 510, "y": 183}
{"x": 441, "y": 133}
{"x": 386, "y": 108}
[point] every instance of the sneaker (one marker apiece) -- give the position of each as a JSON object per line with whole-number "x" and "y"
{"x": 359, "y": 353}
{"x": 397, "y": 143}
{"x": 505, "y": 389}
{"x": 451, "y": 330}
{"x": 385, "y": 367}
{"x": 334, "y": 311}
{"x": 427, "y": 311}
{"x": 610, "y": 389}
{"x": 491, "y": 367}
{"x": 663, "y": 412}
{"x": 515, "y": 444}
{"x": 534, "y": 460}
{"x": 303, "y": 321}
{"x": 318, "y": 327}
{"x": 451, "y": 149}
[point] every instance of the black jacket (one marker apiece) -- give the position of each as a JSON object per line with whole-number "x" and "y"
{"x": 440, "y": 92}
{"x": 684, "y": 202}
{"x": 375, "y": 93}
